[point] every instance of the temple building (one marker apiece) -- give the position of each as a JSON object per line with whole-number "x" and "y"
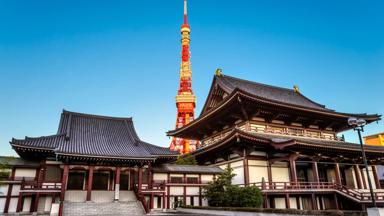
{"x": 284, "y": 143}
{"x": 97, "y": 162}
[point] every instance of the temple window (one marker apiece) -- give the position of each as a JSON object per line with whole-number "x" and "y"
{"x": 124, "y": 181}
{"x": 53, "y": 174}
{"x": 192, "y": 180}
{"x": 100, "y": 181}
{"x": 76, "y": 180}
{"x": 176, "y": 179}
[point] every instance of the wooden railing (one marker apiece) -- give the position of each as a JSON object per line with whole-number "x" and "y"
{"x": 357, "y": 194}
{"x": 34, "y": 185}
{"x": 181, "y": 181}
{"x": 142, "y": 199}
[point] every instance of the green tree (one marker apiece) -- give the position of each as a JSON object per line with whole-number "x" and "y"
{"x": 222, "y": 193}
{"x": 186, "y": 160}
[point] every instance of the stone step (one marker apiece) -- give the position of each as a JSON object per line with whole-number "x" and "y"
{"x": 133, "y": 208}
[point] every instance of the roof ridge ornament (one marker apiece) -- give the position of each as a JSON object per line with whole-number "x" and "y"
{"x": 218, "y": 72}
{"x": 296, "y": 89}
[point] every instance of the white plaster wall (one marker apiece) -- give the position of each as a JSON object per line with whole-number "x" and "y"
{"x": 27, "y": 204}
{"x": 75, "y": 196}
{"x": 160, "y": 176}
{"x": 280, "y": 203}
{"x": 176, "y": 175}
{"x": 3, "y": 190}
{"x": 204, "y": 202}
{"x": 257, "y": 163}
{"x": 192, "y": 175}
{"x": 206, "y": 178}
{"x": 237, "y": 164}
{"x": 192, "y": 190}
{"x": 350, "y": 178}
{"x": 102, "y": 196}
{"x": 155, "y": 200}
{"x": 2, "y": 204}
{"x": 176, "y": 191}
{"x": 15, "y": 190}
{"x": 13, "y": 205}
{"x": 22, "y": 172}
{"x": 280, "y": 174}
{"x": 292, "y": 202}
{"x": 371, "y": 176}
{"x": 354, "y": 179}
{"x": 331, "y": 176}
{"x": 239, "y": 177}
{"x": 48, "y": 203}
{"x": 256, "y": 173}
{"x": 41, "y": 204}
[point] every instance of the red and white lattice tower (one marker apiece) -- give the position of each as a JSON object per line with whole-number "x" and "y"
{"x": 185, "y": 99}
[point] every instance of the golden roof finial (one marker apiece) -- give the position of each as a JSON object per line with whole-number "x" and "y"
{"x": 296, "y": 88}
{"x": 218, "y": 72}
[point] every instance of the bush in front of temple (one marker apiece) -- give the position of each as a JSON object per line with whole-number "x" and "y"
{"x": 221, "y": 193}
{"x": 186, "y": 160}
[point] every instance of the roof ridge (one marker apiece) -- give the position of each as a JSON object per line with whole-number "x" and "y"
{"x": 97, "y": 116}
{"x": 257, "y": 83}
{"x": 40, "y": 137}
{"x": 276, "y": 87}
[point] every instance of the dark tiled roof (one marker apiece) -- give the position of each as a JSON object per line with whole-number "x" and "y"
{"x": 173, "y": 168}
{"x": 96, "y": 136}
{"x": 16, "y": 161}
{"x": 44, "y": 142}
{"x": 278, "y": 94}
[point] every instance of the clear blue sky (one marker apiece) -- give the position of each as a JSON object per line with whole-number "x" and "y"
{"x": 121, "y": 58}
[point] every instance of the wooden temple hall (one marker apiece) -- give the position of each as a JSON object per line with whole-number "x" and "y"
{"x": 95, "y": 164}
{"x": 286, "y": 144}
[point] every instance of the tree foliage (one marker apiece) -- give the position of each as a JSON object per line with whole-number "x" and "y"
{"x": 186, "y": 160}
{"x": 221, "y": 193}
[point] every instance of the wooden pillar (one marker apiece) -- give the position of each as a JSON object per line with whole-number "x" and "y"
{"x": 314, "y": 201}
{"x": 9, "y": 192}
{"x": 376, "y": 177}
{"x": 246, "y": 171}
{"x": 168, "y": 191}
{"x": 117, "y": 184}
{"x": 19, "y": 202}
{"x": 337, "y": 174}
{"x": 185, "y": 189}
{"x": 336, "y": 201}
{"x": 200, "y": 200}
{"x": 90, "y": 181}
{"x": 164, "y": 200}
{"x": 64, "y": 180}
{"x": 363, "y": 179}
{"x": 358, "y": 177}
{"x": 131, "y": 179}
{"x": 298, "y": 204}
{"x": 269, "y": 171}
{"x": 36, "y": 203}
{"x": 287, "y": 203}
{"x": 140, "y": 180}
{"x": 151, "y": 201}
{"x": 315, "y": 171}
{"x": 292, "y": 167}
{"x": 150, "y": 180}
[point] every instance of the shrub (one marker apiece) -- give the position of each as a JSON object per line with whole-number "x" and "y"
{"x": 221, "y": 192}
{"x": 186, "y": 160}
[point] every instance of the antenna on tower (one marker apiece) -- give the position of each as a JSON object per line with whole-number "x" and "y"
{"x": 185, "y": 11}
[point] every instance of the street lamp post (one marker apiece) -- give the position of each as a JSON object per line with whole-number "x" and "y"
{"x": 358, "y": 125}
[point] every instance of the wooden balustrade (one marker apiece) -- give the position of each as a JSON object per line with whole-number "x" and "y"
{"x": 46, "y": 185}
{"x": 363, "y": 196}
